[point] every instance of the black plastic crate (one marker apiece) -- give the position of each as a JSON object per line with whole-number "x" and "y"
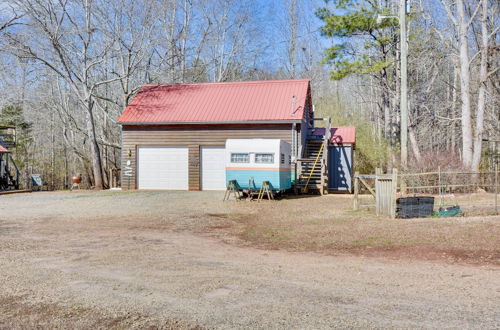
{"x": 415, "y": 207}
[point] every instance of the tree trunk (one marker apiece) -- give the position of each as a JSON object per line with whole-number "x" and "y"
{"x": 465, "y": 86}
{"x": 481, "y": 101}
{"x": 185, "y": 29}
{"x": 414, "y": 145}
{"x": 292, "y": 47}
{"x": 387, "y": 113}
{"x": 454, "y": 109}
{"x": 95, "y": 152}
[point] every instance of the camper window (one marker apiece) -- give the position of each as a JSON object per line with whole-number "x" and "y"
{"x": 264, "y": 158}
{"x": 240, "y": 158}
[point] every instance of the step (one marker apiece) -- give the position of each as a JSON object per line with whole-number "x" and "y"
{"x": 306, "y": 173}
{"x": 310, "y": 166}
{"x": 313, "y": 179}
{"x": 309, "y": 186}
{"x": 308, "y": 160}
{"x": 309, "y": 169}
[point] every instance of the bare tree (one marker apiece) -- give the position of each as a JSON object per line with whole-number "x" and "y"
{"x": 8, "y": 16}
{"x": 483, "y": 80}
{"x": 292, "y": 43}
{"x": 68, "y": 43}
{"x": 456, "y": 13}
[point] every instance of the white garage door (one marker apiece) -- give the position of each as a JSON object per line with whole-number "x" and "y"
{"x": 163, "y": 168}
{"x": 213, "y": 171}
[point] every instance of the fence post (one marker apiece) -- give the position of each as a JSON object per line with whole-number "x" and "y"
{"x": 403, "y": 186}
{"x": 378, "y": 171}
{"x": 440, "y": 190}
{"x": 394, "y": 192}
{"x": 496, "y": 188}
{"x": 356, "y": 191}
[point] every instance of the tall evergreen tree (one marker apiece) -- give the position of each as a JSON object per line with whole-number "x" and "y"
{"x": 364, "y": 44}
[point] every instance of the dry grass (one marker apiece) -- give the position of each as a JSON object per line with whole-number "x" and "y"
{"x": 328, "y": 225}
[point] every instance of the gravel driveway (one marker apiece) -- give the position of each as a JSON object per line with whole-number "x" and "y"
{"x": 140, "y": 259}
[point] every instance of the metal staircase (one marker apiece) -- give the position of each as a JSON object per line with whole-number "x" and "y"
{"x": 312, "y": 168}
{"x": 9, "y": 173}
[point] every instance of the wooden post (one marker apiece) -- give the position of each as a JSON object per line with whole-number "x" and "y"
{"x": 378, "y": 193}
{"x": 322, "y": 178}
{"x": 496, "y": 188}
{"x": 403, "y": 186}
{"x": 324, "y": 162}
{"x": 439, "y": 187}
{"x": 394, "y": 192}
{"x": 356, "y": 192}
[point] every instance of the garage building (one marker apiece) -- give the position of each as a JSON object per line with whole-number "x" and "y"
{"x": 173, "y": 136}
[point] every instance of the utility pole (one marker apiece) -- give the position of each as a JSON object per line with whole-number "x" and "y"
{"x": 404, "y": 83}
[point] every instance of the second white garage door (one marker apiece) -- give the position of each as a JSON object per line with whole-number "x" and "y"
{"x": 162, "y": 168}
{"x": 213, "y": 168}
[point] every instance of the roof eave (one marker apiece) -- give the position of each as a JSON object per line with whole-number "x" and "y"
{"x": 292, "y": 121}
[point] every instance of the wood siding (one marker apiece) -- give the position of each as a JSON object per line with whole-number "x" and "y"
{"x": 192, "y": 136}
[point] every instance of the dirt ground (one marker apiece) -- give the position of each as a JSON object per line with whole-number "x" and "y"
{"x": 186, "y": 260}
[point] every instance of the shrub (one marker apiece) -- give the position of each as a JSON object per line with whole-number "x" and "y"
{"x": 371, "y": 148}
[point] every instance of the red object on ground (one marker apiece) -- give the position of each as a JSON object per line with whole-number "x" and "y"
{"x": 341, "y": 134}
{"x": 233, "y": 102}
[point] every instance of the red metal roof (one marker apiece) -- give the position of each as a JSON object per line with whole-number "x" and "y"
{"x": 3, "y": 150}
{"x": 218, "y": 102}
{"x": 341, "y": 134}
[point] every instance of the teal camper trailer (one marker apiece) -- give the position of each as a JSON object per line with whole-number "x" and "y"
{"x": 250, "y": 162}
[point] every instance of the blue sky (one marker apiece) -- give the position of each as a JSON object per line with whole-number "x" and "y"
{"x": 272, "y": 15}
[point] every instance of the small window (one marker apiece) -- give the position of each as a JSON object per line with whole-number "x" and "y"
{"x": 289, "y": 159}
{"x": 240, "y": 158}
{"x": 264, "y": 158}
{"x": 282, "y": 158}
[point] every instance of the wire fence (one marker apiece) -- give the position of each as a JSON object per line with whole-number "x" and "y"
{"x": 475, "y": 192}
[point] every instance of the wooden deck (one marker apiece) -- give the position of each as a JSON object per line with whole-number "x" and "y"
{"x": 8, "y": 192}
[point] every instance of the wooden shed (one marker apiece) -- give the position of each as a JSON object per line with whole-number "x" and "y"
{"x": 340, "y": 157}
